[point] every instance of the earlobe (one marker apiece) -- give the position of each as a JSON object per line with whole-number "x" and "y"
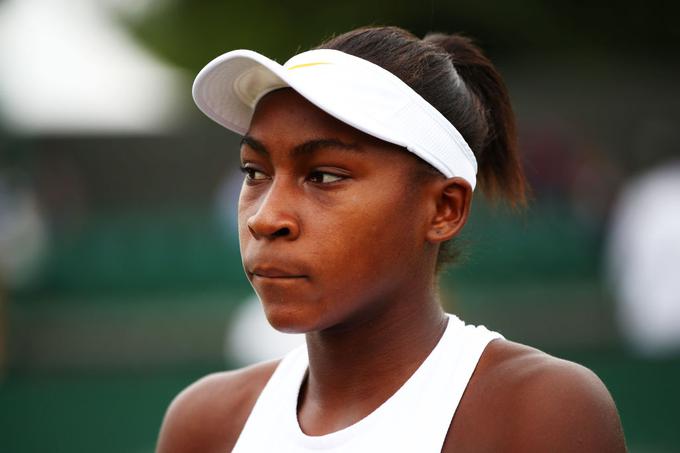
{"x": 453, "y": 197}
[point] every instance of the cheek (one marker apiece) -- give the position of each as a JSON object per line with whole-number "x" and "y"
{"x": 375, "y": 237}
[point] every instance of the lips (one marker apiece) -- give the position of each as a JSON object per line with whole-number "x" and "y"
{"x": 278, "y": 272}
{"x": 275, "y": 273}
{"x": 274, "y": 266}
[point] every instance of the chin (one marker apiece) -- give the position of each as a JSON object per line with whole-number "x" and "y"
{"x": 287, "y": 320}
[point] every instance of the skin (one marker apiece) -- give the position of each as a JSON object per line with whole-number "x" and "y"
{"x": 339, "y": 235}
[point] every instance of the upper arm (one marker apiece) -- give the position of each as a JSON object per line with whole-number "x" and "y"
{"x": 564, "y": 407}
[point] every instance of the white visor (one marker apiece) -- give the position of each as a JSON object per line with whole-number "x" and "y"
{"x": 351, "y": 89}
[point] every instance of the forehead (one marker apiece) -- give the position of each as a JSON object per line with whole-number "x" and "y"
{"x": 286, "y": 115}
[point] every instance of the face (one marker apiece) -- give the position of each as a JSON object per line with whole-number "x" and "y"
{"x": 331, "y": 225}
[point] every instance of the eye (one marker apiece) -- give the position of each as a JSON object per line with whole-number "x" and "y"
{"x": 253, "y": 174}
{"x": 323, "y": 177}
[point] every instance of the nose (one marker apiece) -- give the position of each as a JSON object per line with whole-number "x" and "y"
{"x": 275, "y": 217}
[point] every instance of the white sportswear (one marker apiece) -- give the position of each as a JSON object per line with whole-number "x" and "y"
{"x": 415, "y": 419}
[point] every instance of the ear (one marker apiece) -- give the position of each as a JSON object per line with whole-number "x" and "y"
{"x": 453, "y": 197}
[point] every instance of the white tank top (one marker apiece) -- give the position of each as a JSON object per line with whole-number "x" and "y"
{"x": 415, "y": 419}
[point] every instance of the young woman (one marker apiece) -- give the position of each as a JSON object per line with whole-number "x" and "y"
{"x": 360, "y": 161}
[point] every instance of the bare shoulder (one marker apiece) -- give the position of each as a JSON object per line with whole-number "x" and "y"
{"x": 532, "y": 401}
{"x": 558, "y": 405}
{"x": 208, "y": 416}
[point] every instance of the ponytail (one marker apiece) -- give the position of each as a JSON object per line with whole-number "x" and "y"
{"x": 499, "y": 168}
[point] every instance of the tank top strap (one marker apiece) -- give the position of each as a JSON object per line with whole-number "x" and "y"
{"x": 278, "y": 399}
{"x": 441, "y": 386}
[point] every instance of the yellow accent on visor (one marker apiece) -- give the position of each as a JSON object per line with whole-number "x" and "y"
{"x": 304, "y": 65}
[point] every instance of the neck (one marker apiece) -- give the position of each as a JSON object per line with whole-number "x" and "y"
{"x": 355, "y": 367}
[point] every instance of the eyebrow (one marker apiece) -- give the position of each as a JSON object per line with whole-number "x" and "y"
{"x": 306, "y": 148}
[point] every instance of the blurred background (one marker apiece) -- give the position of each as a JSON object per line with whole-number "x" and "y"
{"x": 120, "y": 279}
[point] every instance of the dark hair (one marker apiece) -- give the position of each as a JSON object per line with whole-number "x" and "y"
{"x": 454, "y": 75}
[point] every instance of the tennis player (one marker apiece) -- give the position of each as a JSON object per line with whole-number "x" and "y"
{"x": 360, "y": 160}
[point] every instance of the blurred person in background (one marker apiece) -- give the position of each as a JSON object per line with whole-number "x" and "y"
{"x": 643, "y": 249}
{"x": 356, "y": 182}
{"x": 23, "y": 243}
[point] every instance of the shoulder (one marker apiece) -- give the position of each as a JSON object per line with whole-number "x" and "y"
{"x": 209, "y": 415}
{"x": 537, "y": 402}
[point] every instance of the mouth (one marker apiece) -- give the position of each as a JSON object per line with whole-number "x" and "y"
{"x": 275, "y": 274}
